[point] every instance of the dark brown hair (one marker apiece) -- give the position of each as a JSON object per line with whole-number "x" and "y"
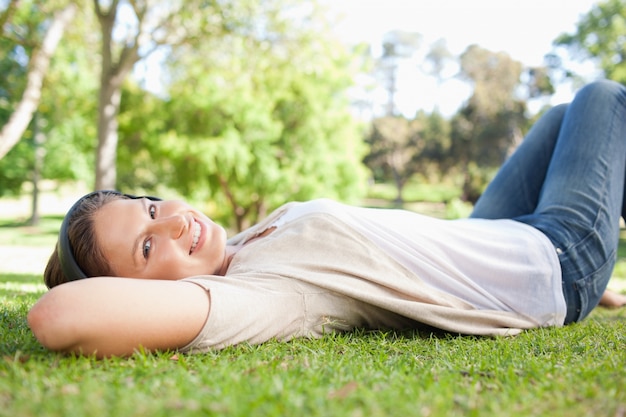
{"x": 83, "y": 240}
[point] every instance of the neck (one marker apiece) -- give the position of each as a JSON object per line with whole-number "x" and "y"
{"x": 229, "y": 253}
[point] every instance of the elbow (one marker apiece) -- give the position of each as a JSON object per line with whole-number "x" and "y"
{"x": 39, "y": 325}
{"x": 48, "y": 320}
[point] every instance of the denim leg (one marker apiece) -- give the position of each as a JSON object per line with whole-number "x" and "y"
{"x": 583, "y": 192}
{"x": 516, "y": 187}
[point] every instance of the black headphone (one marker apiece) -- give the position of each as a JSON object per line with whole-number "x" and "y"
{"x": 69, "y": 266}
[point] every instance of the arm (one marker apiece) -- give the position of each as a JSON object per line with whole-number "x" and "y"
{"x": 115, "y": 316}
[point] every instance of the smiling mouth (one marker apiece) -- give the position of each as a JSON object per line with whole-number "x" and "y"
{"x": 196, "y": 236}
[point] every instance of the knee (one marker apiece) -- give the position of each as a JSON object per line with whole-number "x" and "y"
{"x": 558, "y": 111}
{"x": 604, "y": 89}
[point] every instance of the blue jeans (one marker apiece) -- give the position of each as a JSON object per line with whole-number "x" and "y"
{"x": 567, "y": 179}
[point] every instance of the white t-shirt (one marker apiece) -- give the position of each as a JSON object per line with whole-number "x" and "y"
{"x": 330, "y": 267}
{"x": 492, "y": 264}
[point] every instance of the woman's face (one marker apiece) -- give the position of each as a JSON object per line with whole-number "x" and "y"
{"x": 159, "y": 239}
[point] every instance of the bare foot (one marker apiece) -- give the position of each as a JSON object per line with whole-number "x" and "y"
{"x": 612, "y": 299}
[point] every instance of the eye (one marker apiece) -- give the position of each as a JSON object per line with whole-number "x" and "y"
{"x": 152, "y": 211}
{"x": 147, "y": 245}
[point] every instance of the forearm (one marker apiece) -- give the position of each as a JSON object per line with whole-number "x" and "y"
{"x": 116, "y": 316}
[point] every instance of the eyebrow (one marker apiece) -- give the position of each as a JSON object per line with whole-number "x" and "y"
{"x": 137, "y": 242}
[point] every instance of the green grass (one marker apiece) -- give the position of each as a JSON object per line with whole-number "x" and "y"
{"x": 20, "y": 233}
{"x": 573, "y": 371}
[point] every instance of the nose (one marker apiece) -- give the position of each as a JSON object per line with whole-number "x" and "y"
{"x": 171, "y": 226}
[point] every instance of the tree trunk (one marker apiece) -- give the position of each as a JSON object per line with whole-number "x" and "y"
{"x": 106, "y": 153}
{"x": 399, "y": 181}
{"x": 40, "y": 151}
{"x": 113, "y": 73}
{"x": 13, "y": 130}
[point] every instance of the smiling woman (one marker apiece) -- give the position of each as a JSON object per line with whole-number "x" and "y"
{"x": 538, "y": 250}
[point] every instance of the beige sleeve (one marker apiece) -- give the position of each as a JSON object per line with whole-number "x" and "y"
{"x": 242, "y": 311}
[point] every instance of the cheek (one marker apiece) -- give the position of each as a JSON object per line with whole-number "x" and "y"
{"x": 117, "y": 260}
{"x": 170, "y": 266}
{"x": 214, "y": 247}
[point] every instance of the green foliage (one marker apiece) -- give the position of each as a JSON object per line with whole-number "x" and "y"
{"x": 538, "y": 82}
{"x": 143, "y": 122}
{"x": 601, "y": 36}
{"x": 69, "y": 105}
{"x": 435, "y": 131}
{"x": 20, "y": 35}
{"x": 15, "y": 167}
{"x": 63, "y": 115}
{"x": 458, "y": 209}
{"x": 393, "y": 141}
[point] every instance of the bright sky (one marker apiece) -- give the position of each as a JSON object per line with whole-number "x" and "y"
{"x": 524, "y": 29}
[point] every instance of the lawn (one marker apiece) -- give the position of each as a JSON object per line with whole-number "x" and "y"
{"x": 578, "y": 370}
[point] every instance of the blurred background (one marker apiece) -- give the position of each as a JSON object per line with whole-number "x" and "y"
{"x": 240, "y": 106}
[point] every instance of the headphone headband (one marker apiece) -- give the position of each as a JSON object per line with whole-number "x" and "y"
{"x": 69, "y": 265}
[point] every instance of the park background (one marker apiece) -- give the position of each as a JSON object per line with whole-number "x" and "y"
{"x": 241, "y": 106}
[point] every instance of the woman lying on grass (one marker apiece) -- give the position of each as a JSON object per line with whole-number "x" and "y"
{"x": 537, "y": 251}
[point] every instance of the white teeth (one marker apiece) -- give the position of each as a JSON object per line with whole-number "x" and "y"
{"x": 196, "y": 236}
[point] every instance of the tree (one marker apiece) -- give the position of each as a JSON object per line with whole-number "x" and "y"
{"x": 436, "y": 60}
{"x": 489, "y": 126}
{"x": 538, "y": 82}
{"x": 394, "y": 143}
{"x": 600, "y": 35}
{"x": 397, "y": 45}
{"x": 41, "y": 50}
{"x": 434, "y": 130}
{"x": 401, "y": 148}
{"x": 130, "y": 32}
